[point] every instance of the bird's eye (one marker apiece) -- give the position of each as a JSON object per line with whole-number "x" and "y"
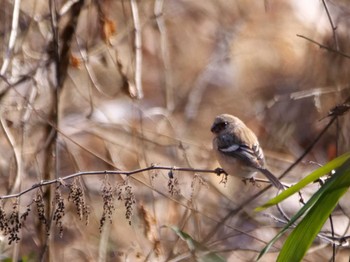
{"x": 219, "y": 127}
{"x": 223, "y": 125}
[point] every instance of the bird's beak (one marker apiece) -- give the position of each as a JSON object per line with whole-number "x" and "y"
{"x": 213, "y": 128}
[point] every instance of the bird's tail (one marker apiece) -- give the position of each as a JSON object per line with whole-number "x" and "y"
{"x": 274, "y": 180}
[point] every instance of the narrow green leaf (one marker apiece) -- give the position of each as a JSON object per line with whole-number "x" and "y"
{"x": 191, "y": 243}
{"x": 203, "y": 253}
{"x": 335, "y": 163}
{"x": 304, "y": 234}
{"x": 333, "y": 183}
{"x": 300, "y": 213}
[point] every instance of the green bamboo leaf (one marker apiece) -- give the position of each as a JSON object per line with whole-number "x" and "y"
{"x": 300, "y": 213}
{"x": 304, "y": 234}
{"x": 203, "y": 253}
{"x": 332, "y": 165}
{"x": 333, "y": 184}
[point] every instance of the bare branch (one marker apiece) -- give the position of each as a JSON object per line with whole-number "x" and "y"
{"x": 217, "y": 171}
{"x": 325, "y": 47}
{"x": 334, "y": 28}
{"x": 169, "y": 86}
{"x": 66, "y": 38}
{"x": 138, "y": 49}
{"x": 13, "y": 36}
{"x": 17, "y": 150}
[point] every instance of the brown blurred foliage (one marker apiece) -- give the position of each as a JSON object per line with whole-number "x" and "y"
{"x": 68, "y": 88}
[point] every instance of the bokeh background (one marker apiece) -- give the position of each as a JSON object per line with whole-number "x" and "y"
{"x": 122, "y": 85}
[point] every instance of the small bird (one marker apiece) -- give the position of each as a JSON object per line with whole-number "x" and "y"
{"x": 237, "y": 149}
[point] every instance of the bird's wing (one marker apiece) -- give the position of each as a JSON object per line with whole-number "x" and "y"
{"x": 252, "y": 157}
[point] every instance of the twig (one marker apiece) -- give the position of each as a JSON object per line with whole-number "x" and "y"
{"x": 42, "y": 116}
{"x": 325, "y": 47}
{"x": 66, "y": 38}
{"x": 13, "y": 36}
{"x": 334, "y": 114}
{"x": 10, "y": 85}
{"x": 217, "y": 171}
{"x": 308, "y": 149}
{"x": 169, "y": 87}
{"x": 55, "y": 50}
{"x": 218, "y": 59}
{"x": 138, "y": 49}
{"x": 332, "y": 232}
{"x": 17, "y": 150}
{"x": 334, "y": 28}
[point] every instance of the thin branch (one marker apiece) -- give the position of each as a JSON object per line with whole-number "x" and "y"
{"x": 209, "y": 74}
{"x": 10, "y": 85}
{"x": 138, "y": 49}
{"x": 334, "y": 28}
{"x": 334, "y": 114}
{"x": 60, "y": 180}
{"x": 55, "y": 46}
{"x": 309, "y": 148}
{"x": 42, "y": 116}
{"x": 66, "y": 38}
{"x": 169, "y": 86}
{"x": 332, "y": 232}
{"x": 17, "y": 150}
{"x": 325, "y": 47}
{"x": 13, "y": 36}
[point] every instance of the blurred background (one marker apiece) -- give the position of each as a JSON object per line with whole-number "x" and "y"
{"x": 122, "y": 85}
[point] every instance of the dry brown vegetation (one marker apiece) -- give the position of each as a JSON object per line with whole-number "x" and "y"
{"x": 123, "y": 85}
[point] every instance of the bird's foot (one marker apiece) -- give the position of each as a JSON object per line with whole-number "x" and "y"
{"x": 220, "y": 171}
{"x": 251, "y": 180}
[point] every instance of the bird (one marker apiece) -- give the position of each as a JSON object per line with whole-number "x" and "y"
{"x": 238, "y": 150}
